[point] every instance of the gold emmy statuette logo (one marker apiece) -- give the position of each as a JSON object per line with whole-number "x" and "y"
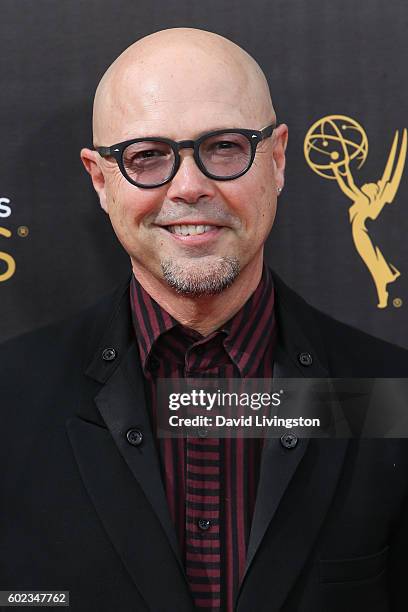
{"x": 332, "y": 145}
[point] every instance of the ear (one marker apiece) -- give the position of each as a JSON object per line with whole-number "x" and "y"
{"x": 279, "y": 147}
{"x": 91, "y": 161}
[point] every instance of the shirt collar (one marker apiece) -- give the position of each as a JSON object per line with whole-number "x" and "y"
{"x": 247, "y": 333}
{"x": 253, "y": 327}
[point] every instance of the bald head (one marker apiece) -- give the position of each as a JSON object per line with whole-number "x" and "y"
{"x": 197, "y": 228}
{"x": 164, "y": 83}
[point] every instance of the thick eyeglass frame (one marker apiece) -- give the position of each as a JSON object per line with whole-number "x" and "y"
{"x": 254, "y": 137}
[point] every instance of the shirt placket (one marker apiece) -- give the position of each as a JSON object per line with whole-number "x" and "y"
{"x": 202, "y": 516}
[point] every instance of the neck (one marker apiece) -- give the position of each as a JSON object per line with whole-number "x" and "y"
{"x": 205, "y": 313}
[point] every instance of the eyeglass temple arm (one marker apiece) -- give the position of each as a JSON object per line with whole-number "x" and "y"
{"x": 104, "y": 151}
{"x": 267, "y": 131}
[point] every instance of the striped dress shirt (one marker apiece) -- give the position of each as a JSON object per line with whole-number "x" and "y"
{"x": 210, "y": 483}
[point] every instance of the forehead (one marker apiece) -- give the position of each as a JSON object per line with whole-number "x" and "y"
{"x": 181, "y": 102}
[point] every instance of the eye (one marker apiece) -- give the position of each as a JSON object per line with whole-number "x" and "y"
{"x": 142, "y": 156}
{"x": 225, "y": 144}
{"x": 148, "y": 154}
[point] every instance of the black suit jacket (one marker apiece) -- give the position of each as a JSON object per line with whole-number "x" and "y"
{"x": 85, "y": 511}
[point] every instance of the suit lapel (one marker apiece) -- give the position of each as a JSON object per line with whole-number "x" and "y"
{"x": 127, "y": 517}
{"x": 122, "y": 407}
{"x": 123, "y": 480}
{"x": 277, "y": 469}
{"x": 279, "y": 480}
{"x": 302, "y": 486}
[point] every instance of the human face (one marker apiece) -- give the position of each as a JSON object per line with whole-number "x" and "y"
{"x": 238, "y": 214}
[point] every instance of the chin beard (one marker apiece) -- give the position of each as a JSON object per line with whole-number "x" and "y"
{"x": 201, "y": 278}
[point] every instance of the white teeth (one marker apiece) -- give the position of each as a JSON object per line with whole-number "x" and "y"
{"x": 189, "y": 230}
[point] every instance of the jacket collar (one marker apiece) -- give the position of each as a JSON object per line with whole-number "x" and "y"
{"x": 297, "y": 334}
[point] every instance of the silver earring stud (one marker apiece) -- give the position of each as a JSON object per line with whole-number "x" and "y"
{"x": 279, "y": 189}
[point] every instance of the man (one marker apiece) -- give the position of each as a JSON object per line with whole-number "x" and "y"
{"x": 188, "y": 163}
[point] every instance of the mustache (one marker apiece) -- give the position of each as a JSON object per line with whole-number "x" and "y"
{"x": 211, "y": 212}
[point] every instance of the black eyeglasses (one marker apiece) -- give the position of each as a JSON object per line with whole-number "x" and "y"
{"x": 222, "y": 155}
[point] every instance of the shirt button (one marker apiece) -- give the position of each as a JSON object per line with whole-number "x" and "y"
{"x": 191, "y": 373}
{"x": 202, "y": 432}
{"x": 154, "y": 364}
{"x": 134, "y": 437}
{"x": 109, "y": 354}
{"x": 204, "y": 524}
{"x": 289, "y": 440}
{"x": 305, "y": 359}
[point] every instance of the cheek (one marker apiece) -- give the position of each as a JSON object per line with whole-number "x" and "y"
{"x": 262, "y": 213}
{"x": 265, "y": 201}
{"x": 130, "y": 204}
{"x": 254, "y": 202}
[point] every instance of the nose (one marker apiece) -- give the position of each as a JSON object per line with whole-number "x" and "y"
{"x": 189, "y": 185}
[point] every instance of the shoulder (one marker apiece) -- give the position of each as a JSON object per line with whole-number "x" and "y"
{"x": 349, "y": 351}
{"x": 358, "y": 353}
{"x": 59, "y": 348}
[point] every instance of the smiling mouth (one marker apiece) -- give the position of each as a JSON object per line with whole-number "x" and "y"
{"x": 190, "y": 230}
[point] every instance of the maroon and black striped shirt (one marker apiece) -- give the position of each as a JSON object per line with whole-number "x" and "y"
{"x": 210, "y": 483}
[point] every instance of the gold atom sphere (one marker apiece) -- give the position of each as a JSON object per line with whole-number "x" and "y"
{"x": 335, "y": 139}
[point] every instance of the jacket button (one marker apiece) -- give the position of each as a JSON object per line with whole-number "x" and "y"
{"x": 204, "y": 524}
{"x": 289, "y": 440}
{"x": 305, "y": 359}
{"x": 134, "y": 437}
{"x": 109, "y": 354}
{"x": 202, "y": 432}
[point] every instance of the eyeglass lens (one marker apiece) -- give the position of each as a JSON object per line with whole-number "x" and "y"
{"x": 152, "y": 162}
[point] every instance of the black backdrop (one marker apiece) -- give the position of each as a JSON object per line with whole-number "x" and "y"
{"x": 322, "y": 58}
